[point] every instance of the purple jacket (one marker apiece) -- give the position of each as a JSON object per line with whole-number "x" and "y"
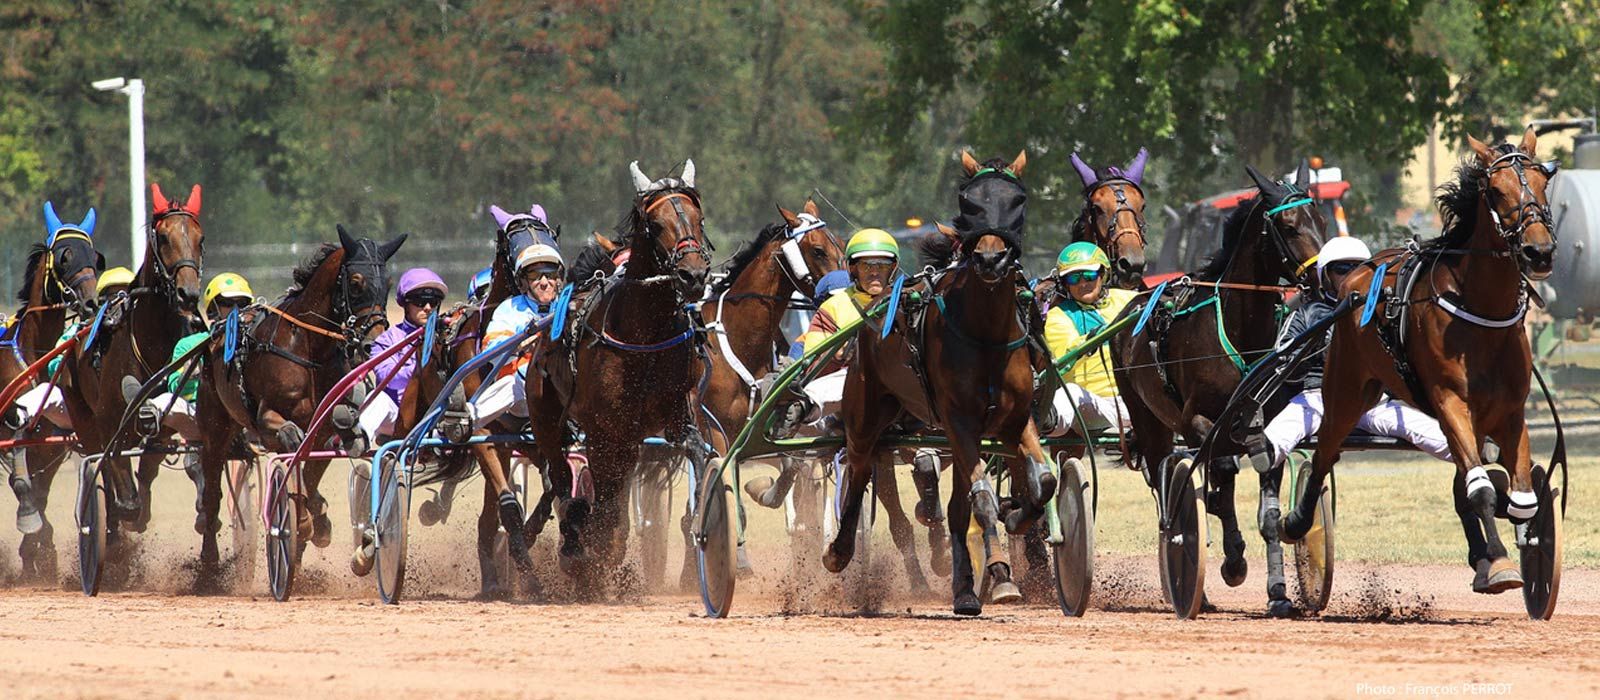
{"x": 397, "y": 385}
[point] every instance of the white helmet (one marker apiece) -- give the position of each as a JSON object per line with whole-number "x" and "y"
{"x": 538, "y": 253}
{"x": 1341, "y": 248}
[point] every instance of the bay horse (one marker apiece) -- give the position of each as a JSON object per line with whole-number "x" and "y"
{"x": 59, "y": 280}
{"x": 1113, "y": 216}
{"x": 288, "y": 356}
{"x": 1450, "y": 341}
{"x": 1177, "y": 376}
{"x": 159, "y": 309}
{"x": 962, "y": 362}
{"x": 629, "y": 366}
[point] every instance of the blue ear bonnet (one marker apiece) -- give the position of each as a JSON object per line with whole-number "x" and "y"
{"x": 53, "y": 224}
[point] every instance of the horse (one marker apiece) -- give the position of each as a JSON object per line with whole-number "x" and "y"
{"x": 962, "y": 362}
{"x": 1450, "y": 341}
{"x": 629, "y": 366}
{"x": 288, "y": 356}
{"x": 157, "y": 311}
{"x": 59, "y": 279}
{"x": 1113, "y": 216}
{"x": 1177, "y": 377}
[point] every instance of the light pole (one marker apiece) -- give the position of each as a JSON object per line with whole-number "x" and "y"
{"x": 134, "y": 89}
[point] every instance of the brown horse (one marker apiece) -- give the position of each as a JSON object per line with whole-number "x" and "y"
{"x": 1177, "y": 376}
{"x": 629, "y": 366}
{"x": 289, "y": 355}
{"x": 59, "y": 280}
{"x": 1113, "y": 216}
{"x": 965, "y": 366}
{"x": 160, "y": 309}
{"x": 1451, "y": 342}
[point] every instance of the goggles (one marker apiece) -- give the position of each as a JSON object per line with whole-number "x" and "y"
{"x": 1077, "y": 276}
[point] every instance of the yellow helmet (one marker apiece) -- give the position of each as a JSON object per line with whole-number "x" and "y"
{"x": 226, "y": 284}
{"x": 111, "y": 278}
{"x": 871, "y": 242}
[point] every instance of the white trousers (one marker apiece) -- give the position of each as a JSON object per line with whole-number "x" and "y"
{"x": 377, "y": 419}
{"x": 45, "y": 398}
{"x": 180, "y": 419}
{"x": 827, "y": 391}
{"x": 1391, "y": 418}
{"x": 1097, "y": 411}
{"x": 505, "y": 394}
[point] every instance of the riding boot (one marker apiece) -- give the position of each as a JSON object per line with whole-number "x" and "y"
{"x": 925, "y": 474}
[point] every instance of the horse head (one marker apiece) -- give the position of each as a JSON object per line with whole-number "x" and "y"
{"x": 810, "y": 250}
{"x": 666, "y": 231}
{"x": 74, "y": 264}
{"x": 1113, "y": 215}
{"x": 363, "y": 292}
{"x": 172, "y": 255}
{"x": 1514, "y": 197}
{"x": 993, "y": 208}
{"x": 1292, "y": 221}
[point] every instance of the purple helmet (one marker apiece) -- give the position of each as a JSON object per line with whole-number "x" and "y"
{"x": 418, "y": 278}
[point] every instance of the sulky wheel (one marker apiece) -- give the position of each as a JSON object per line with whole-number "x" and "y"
{"x": 714, "y": 535}
{"x": 1074, "y": 556}
{"x": 390, "y": 528}
{"x": 1540, "y": 540}
{"x": 283, "y": 535}
{"x": 1313, "y": 554}
{"x": 91, "y": 531}
{"x": 1181, "y": 548}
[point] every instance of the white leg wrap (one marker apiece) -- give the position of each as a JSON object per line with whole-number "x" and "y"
{"x": 1524, "y": 504}
{"x": 1478, "y": 478}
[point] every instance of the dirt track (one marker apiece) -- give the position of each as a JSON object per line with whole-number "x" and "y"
{"x": 61, "y": 644}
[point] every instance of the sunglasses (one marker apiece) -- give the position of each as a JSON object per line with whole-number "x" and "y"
{"x": 421, "y": 300}
{"x": 1342, "y": 267}
{"x": 537, "y": 274}
{"x": 879, "y": 265}
{"x": 226, "y": 303}
{"x": 1077, "y": 276}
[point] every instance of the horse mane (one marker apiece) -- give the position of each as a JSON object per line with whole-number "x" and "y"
{"x": 591, "y": 258}
{"x": 308, "y": 267}
{"x": 36, "y": 254}
{"x": 1458, "y": 201}
{"x": 747, "y": 254}
{"x": 1080, "y": 226}
{"x": 937, "y": 250}
{"x": 1232, "y": 232}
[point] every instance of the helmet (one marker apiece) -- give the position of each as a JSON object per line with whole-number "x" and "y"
{"x": 1082, "y": 255}
{"x": 481, "y": 282}
{"x": 832, "y": 282}
{"x": 226, "y": 284}
{"x": 872, "y": 243}
{"x": 1341, "y": 248}
{"x": 538, "y": 253}
{"x": 418, "y": 278}
{"x": 113, "y": 277}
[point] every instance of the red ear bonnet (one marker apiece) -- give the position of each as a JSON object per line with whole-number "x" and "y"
{"x": 193, "y": 204}
{"x": 158, "y": 201}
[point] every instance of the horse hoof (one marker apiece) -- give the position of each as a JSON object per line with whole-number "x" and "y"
{"x": 1498, "y": 576}
{"x": 1280, "y": 609}
{"x": 1235, "y": 570}
{"x": 1047, "y": 485}
{"x": 1005, "y": 593}
{"x": 29, "y": 521}
{"x": 939, "y": 561}
{"x": 835, "y": 562}
{"x": 1289, "y": 531}
{"x": 321, "y": 531}
{"x": 742, "y": 567}
{"x": 361, "y": 560}
{"x": 928, "y": 513}
{"x": 757, "y": 490}
{"x": 200, "y": 522}
{"x": 968, "y": 605}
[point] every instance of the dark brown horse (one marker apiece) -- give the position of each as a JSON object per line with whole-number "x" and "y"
{"x": 1451, "y": 342}
{"x": 59, "y": 280}
{"x": 288, "y": 356}
{"x": 628, "y": 367}
{"x": 1113, "y": 216}
{"x": 1178, "y": 374}
{"x": 160, "y": 309}
{"x": 966, "y": 367}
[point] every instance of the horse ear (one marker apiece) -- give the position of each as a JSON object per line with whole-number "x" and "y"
{"x": 192, "y": 205}
{"x": 537, "y": 211}
{"x": 1085, "y": 173}
{"x": 501, "y": 216}
{"x": 811, "y": 208}
{"x": 1263, "y": 183}
{"x": 640, "y": 181}
{"x": 158, "y": 201}
{"x": 388, "y": 250}
{"x": 969, "y": 165}
{"x": 1135, "y": 170}
{"x": 1302, "y": 175}
{"x": 688, "y": 172}
{"x": 52, "y": 222}
{"x": 1530, "y": 142}
{"x": 946, "y": 231}
{"x": 1485, "y": 155}
{"x": 1020, "y": 163}
{"x": 789, "y": 217}
{"x": 346, "y": 241}
{"x": 88, "y": 223}
{"x": 605, "y": 244}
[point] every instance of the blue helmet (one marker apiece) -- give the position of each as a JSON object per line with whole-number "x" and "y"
{"x": 480, "y": 283}
{"x": 830, "y": 283}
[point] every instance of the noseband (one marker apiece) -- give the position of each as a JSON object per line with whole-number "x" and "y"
{"x": 1113, "y": 244}
{"x": 1294, "y": 200}
{"x": 167, "y": 275}
{"x": 688, "y": 242}
{"x": 1529, "y": 210}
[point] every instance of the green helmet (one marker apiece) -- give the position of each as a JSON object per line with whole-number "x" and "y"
{"x": 870, "y": 243}
{"x": 1082, "y": 255}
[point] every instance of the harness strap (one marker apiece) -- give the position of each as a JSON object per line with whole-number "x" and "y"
{"x": 651, "y": 347}
{"x": 302, "y": 324}
{"x": 720, "y": 330}
{"x": 1227, "y": 345}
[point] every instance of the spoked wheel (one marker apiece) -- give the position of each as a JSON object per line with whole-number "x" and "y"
{"x": 283, "y": 535}
{"x": 1541, "y": 550}
{"x": 652, "y": 505}
{"x": 1074, "y": 556}
{"x": 390, "y": 526}
{"x": 1313, "y": 554}
{"x": 714, "y": 536}
{"x": 1182, "y": 547}
{"x": 243, "y": 519}
{"x": 91, "y": 531}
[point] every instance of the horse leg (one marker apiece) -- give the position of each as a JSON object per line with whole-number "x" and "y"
{"x": 1477, "y": 548}
{"x": 149, "y": 468}
{"x": 38, "y": 548}
{"x": 1267, "y": 517}
{"x": 316, "y": 505}
{"x": 490, "y": 587}
{"x": 213, "y": 463}
{"x": 899, "y": 525}
{"x": 1341, "y": 411}
{"x": 30, "y": 517}
{"x": 1219, "y": 501}
{"x": 862, "y": 429}
{"x": 972, "y": 497}
{"x": 1032, "y": 483}
{"x": 930, "y": 512}
{"x": 491, "y": 462}
{"x": 1493, "y": 571}
{"x": 609, "y": 530}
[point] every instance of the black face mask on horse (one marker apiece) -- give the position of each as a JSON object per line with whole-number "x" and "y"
{"x": 992, "y": 202}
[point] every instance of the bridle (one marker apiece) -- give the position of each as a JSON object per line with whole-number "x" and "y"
{"x": 358, "y": 321}
{"x": 1295, "y": 199}
{"x": 67, "y": 288}
{"x": 167, "y": 275}
{"x": 1113, "y": 245}
{"x": 688, "y": 241}
{"x": 793, "y": 262}
{"x": 1529, "y": 211}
